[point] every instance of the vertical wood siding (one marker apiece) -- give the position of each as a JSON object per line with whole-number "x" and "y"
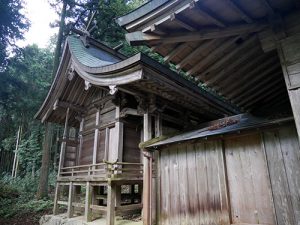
{"x": 249, "y": 179}
{"x": 193, "y": 188}
{"x": 283, "y": 156}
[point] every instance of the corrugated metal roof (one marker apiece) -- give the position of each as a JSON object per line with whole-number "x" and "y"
{"x": 227, "y": 125}
{"x": 90, "y": 56}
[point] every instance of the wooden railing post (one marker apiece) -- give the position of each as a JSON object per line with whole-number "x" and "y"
{"x": 88, "y": 200}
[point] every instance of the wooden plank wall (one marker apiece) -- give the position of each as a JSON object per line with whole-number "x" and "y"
{"x": 246, "y": 179}
{"x": 283, "y": 156}
{"x": 132, "y": 138}
{"x": 193, "y": 188}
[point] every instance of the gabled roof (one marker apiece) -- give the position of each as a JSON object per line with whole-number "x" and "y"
{"x": 100, "y": 67}
{"x": 228, "y": 45}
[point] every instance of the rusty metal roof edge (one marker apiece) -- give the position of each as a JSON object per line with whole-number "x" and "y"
{"x": 246, "y": 122}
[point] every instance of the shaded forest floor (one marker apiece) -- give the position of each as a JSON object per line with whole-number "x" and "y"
{"x": 25, "y": 218}
{"x": 18, "y": 203}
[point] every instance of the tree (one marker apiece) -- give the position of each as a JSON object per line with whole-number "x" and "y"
{"x": 13, "y": 24}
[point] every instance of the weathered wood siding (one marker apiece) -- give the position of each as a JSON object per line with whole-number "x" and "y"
{"x": 193, "y": 186}
{"x": 246, "y": 179}
{"x": 132, "y": 138}
{"x": 283, "y": 156}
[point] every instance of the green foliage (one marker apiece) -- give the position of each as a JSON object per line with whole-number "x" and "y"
{"x": 17, "y": 196}
{"x": 13, "y": 24}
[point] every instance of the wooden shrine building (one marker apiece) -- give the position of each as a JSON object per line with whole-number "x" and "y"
{"x": 238, "y": 169}
{"x": 109, "y": 104}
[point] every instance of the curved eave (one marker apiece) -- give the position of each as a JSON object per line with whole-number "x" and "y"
{"x": 123, "y": 72}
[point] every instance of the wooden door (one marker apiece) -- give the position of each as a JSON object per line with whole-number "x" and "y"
{"x": 248, "y": 181}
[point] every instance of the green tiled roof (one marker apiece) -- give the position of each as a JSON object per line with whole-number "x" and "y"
{"x": 90, "y": 56}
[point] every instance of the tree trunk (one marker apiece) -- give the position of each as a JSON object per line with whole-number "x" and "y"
{"x": 59, "y": 38}
{"x": 43, "y": 183}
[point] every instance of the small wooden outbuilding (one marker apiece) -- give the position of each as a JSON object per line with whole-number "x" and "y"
{"x": 248, "y": 53}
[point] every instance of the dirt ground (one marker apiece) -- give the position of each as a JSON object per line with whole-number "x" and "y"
{"x": 24, "y": 219}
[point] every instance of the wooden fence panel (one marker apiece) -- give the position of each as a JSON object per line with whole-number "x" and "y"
{"x": 248, "y": 181}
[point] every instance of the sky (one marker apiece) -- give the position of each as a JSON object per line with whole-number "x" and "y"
{"x": 40, "y": 14}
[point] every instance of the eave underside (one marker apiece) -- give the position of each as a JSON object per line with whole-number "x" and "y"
{"x": 220, "y": 44}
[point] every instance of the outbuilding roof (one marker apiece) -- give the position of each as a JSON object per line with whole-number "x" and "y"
{"x": 228, "y": 45}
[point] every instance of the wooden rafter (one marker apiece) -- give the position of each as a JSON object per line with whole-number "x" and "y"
{"x": 231, "y": 54}
{"x": 138, "y": 37}
{"x": 207, "y": 13}
{"x": 175, "y": 51}
{"x": 238, "y": 9}
{"x": 256, "y": 72}
{"x": 182, "y": 22}
{"x": 230, "y": 67}
{"x": 214, "y": 53}
{"x": 195, "y": 53}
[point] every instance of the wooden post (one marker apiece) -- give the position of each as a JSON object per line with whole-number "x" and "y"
{"x": 156, "y": 184}
{"x": 289, "y": 53}
{"x": 56, "y": 198}
{"x": 111, "y": 200}
{"x": 88, "y": 200}
{"x": 80, "y": 141}
{"x": 63, "y": 144}
{"x": 147, "y": 173}
{"x": 70, "y": 211}
{"x": 119, "y": 139}
{"x": 96, "y": 137}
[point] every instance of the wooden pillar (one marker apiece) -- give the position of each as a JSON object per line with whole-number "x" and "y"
{"x": 88, "y": 200}
{"x": 289, "y": 53}
{"x": 156, "y": 181}
{"x": 70, "y": 210}
{"x": 96, "y": 137}
{"x": 63, "y": 144}
{"x": 56, "y": 198}
{"x": 147, "y": 172}
{"x": 111, "y": 200}
{"x": 80, "y": 141}
{"x": 119, "y": 127}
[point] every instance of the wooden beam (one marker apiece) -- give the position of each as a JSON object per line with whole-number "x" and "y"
{"x": 207, "y": 14}
{"x": 182, "y": 22}
{"x": 211, "y": 56}
{"x": 195, "y": 53}
{"x": 96, "y": 136}
{"x": 178, "y": 49}
{"x": 56, "y": 198}
{"x": 289, "y": 53}
{"x": 138, "y": 37}
{"x": 238, "y": 9}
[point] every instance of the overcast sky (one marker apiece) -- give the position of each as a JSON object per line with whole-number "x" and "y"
{"x": 40, "y": 14}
